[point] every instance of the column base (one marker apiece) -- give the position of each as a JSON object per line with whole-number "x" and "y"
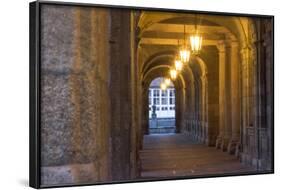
{"x": 238, "y": 150}
{"x": 231, "y": 148}
{"x": 218, "y": 142}
{"x": 224, "y": 144}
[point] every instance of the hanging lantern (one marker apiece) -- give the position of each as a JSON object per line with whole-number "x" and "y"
{"x": 184, "y": 55}
{"x": 167, "y": 81}
{"x": 195, "y": 43}
{"x": 195, "y": 39}
{"x": 163, "y": 86}
{"x": 173, "y": 74}
{"x": 178, "y": 65}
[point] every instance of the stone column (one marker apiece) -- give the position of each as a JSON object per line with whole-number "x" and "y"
{"x": 145, "y": 111}
{"x": 183, "y": 109}
{"x": 235, "y": 99}
{"x": 120, "y": 101}
{"x": 75, "y": 96}
{"x": 245, "y": 96}
{"x": 191, "y": 107}
{"x": 268, "y": 42}
{"x": 193, "y": 110}
{"x": 227, "y": 99}
{"x": 203, "y": 106}
{"x": 222, "y": 61}
{"x": 206, "y": 124}
{"x": 188, "y": 108}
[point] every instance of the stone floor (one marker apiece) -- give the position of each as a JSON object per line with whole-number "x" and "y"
{"x": 167, "y": 155}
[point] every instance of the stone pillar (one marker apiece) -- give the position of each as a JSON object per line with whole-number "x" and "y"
{"x": 191, "y": 107}
{"x": 75, "y": 96}
{"x": 183, "y": 108}
{"x": 235, "y": 99}
{"x": 145, "y": 111}
{"x": 203, "y": 108}
{"x": 268, "y": 42}
{"x": 188, "y": 108}
{"x": 245, "y": 97}
{"x": 121, "y": 93}
{"x": 227, "y": 99}
{"x": 206, "y": 124}
{"x": 193, "y": 113}
{"x": 222, "y": 62}
{"x": 194, "y": 127}
{"x": 178, "y": 109}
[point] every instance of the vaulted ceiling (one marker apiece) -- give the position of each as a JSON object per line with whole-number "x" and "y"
{"x": 161, "y": 33}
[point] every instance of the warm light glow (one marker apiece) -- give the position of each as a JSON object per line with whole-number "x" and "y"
{"x": 184, "y": 55}
{"x": 173, "y": 74}
{"x": 178, "y": 65}
{"x": 195, "y": 43}
{"x": 163, "y": 86}
{"x": 167, "y": 81}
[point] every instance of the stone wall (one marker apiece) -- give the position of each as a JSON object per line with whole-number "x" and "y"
{"x": 257, "y": 136}
{"x": 86, "y": 103}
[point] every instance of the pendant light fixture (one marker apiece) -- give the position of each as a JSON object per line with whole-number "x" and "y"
{"x": 167, "y": 81}
{"x": 184, "y": 52}
{"x": 173, "y": 74}
{"x": 163, "y": 86}
{"x": 178, "y": 62}
{"x": 195, "y": 40}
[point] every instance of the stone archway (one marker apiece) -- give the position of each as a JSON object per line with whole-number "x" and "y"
{"x": 162, "y": 71}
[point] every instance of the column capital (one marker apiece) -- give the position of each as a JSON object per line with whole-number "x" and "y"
{"x": 230, "y": 43}
{"x": 221, "y": 46}
{"x": 234, "y": 44}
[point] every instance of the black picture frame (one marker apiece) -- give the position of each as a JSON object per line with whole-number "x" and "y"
{"x": 35, "y": 89}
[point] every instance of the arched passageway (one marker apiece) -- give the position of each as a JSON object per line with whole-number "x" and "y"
{"x": 212, "y": 87}
{"x": 97, "y": 99}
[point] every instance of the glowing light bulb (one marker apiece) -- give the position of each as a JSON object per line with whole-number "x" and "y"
{"x": 167, "y": 81}
{"x": 178, "y": 65}
{"x": 195, "y": 43}
{"x": 184, "y": 55}
{"x": 163, "y": 86}
{"x": 173, "y": 74}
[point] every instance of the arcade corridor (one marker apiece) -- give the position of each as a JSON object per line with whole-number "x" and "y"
{"x": 95, "y": 94}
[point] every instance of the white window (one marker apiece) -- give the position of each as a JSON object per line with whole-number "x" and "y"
{"x": 156, "y": 97}
{"x": 164, "y": 97}
{"x": 172, "y": 96}
{"x": 164, "y": 108}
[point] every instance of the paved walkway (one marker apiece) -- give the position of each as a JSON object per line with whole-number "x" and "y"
{"x": 177, "y": 155}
